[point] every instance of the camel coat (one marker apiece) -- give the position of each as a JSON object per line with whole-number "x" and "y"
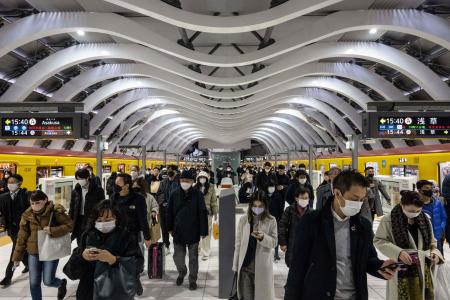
{"x": 264, "y": 281}
{"x": 384, "y": 241}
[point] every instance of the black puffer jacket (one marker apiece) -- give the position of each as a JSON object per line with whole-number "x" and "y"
{"x": 187, "y": 216}
{"x": 263, "y": 180}
{"x": 119, "y": 243}
{"x": 134, "y": 209}
{"x": 287, "y": 228}
{"x": 11, "y": 210}
{"x": 94, "y": 196}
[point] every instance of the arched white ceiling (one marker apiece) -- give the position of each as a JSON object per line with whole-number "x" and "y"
{"x": 299, "y": 99}
{"x": 427, "y": 26}
{"x": 383, "y": 54}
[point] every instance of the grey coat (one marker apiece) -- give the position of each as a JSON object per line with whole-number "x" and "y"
{"x": 374, "y": 196}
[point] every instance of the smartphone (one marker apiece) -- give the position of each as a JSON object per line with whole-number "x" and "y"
{"x": 93, "y": 250}
{"x": 393, "y": 266}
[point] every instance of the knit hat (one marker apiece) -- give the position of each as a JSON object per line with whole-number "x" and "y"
{"x": 187, "y": 174}
{"x": 203, "y": 174}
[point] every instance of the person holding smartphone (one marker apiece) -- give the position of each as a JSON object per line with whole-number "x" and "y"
{"x": 256, "y": 238}
{"x": 406, "y": 235}
{"x": 104, "y": 241}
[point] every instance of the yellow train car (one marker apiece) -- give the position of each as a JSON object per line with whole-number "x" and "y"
{"x": 34, "y": 163}
{"x": 428, "y": 162}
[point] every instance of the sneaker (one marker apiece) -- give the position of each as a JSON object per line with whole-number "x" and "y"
{"x": 180, "y": 280}
{"x": 192, "y": 286}
{"x": 168, "y": 251}
{"x": 139, "y": 288}
{"x": 5, "y": 282}
{"x": 62, "y": 290}
{"x": 25, "y": 270}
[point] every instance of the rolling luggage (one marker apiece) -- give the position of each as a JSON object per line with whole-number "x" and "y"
{"x": 156, "y": 261}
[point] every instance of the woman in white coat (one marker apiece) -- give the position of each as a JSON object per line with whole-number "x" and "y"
{"x": 406, "y": 234}
{"x": 256, "y": 237}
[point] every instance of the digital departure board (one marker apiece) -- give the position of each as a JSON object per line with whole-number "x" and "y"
{"x": 44, "y": 125}
{"x": 406, "y": 125}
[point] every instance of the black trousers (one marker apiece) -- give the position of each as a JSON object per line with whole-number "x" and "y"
{"x": 9, "y": 269}
{"x": 163, "y": 221}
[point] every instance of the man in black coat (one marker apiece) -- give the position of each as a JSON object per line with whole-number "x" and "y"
{"x": 12, "y": 205}
{"x": 333, "y": 248}
{"x": 265, "y": 177}
{"x": 187, "y": 221}
{"x": 134, "y": 208}
{"x": 283, "y": 181}
{"x": 166, "y": 187}
{"x": 85, "y": 196}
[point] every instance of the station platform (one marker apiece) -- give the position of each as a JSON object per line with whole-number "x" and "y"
{"x": 166, "y": 289}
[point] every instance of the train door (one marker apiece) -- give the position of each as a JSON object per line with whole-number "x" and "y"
{"x": 46, "y": 172}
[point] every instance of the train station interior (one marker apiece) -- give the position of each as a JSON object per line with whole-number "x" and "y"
{"x": 234, "y": 91}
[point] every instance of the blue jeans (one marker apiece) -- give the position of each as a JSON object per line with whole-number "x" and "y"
{"x": 39, "y": 269}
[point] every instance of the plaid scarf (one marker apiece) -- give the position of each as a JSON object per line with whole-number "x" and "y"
{"x": 409, "y": 280}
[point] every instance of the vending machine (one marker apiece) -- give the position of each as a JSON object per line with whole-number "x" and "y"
{"x": 394, "y": 185}
{"x": 58, "y": 190}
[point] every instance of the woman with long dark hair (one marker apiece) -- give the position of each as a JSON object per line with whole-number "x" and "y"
{"x": 406, "y": 234}
{"x": 104, "y": 242}
{"x": 256, "y": 238}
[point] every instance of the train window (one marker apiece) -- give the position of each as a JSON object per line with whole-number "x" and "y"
{"x": 79, "y": 166}
{"x": 45, "y": 172}
{"x": 107, "y": 169}
{"x": 4, "y": 167}
{"x": 121, "y": 168}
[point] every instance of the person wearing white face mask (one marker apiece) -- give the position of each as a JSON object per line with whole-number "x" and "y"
{"x": 406, "y": 235}
{"x": 289, "y": 221}
{"x": 12, "y": 205}
{"x": 256, "y": 237}
{"x": 302, "y": 181}
{"x": 134, "y": 172}
{"x": 53, "y": 220}
{"x": 209, "y": 195}
{"x": 85, "y": 196}
{"x": 106, "y": 244}
{"x": 187, "y": 222}
{"x": 333, "y": 248}
{"x": 276, "y": 207}
{"x": 265, "y": 177}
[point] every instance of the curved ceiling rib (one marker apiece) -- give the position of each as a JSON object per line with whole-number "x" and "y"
{"x": 346, "y": 70}
{"x": 155, "y": 97}
{"x": 327, "y": 83}
{"x": 31, "y": 28}
{"x": 389, "y": 56}
{"x": 236, "y": 24}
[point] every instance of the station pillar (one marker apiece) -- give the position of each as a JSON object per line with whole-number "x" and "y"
{"x": 227, "y": 233}
{"x": 355, "y": 146}
{"x": 99, "y": 155}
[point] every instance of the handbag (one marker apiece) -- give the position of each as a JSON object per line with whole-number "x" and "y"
{"x": 118, "y": 282}
{"x": 155, "y": 231}
{"x": 442, "y": 282}
{"x": 52, "y": 248}
{"x": 233, "y": 292}
{"x": 216, "y": 230}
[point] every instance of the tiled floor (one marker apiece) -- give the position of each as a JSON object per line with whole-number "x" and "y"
{"x": 166, "y": 289}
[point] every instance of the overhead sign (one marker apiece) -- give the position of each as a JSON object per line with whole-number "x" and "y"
{"x": 406, "y": 125}
{"x": 44, "y": 126}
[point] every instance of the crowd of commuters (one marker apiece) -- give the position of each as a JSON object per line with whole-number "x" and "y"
{"x": 326, "y": 235}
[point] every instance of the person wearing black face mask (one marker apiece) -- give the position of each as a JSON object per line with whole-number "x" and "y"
{"x": 375, "y": 186}
{"x": 435, "y": 210}
{"x": 132, "y": 205}
{"x": 166, "y": 188}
